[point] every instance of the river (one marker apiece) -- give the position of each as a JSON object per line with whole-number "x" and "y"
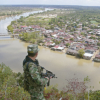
{"x": 13, "y": 51}
{"x": 5, "y": 22}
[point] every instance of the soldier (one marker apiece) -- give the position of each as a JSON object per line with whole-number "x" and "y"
{"x": 33, "y": 82}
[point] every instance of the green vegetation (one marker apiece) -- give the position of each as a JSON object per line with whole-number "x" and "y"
{"x": 66, "y": 19}
{"x": 67, "y": 44}
{"x": 83, "y": 34}
{"x": 11, "y": 88}
{"x": 47, "y": 19}
{"x": 92, "y": 38}
{"x": 10, "y": 28}
{"x": 63, "y": 19}
{"x": 14, "y": 10}
{"x": 33, "y": 37}
{"x": 72, "y": 39}
{"x": 98, "y": 43}
{"x": 81, "y": 53}
{"x": 94, "y": 22}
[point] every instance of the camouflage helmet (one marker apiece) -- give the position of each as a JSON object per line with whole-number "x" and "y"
{"x": 33, "y": 48}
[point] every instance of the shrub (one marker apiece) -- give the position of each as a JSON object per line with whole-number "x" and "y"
{"x": 67, "y": 44}
{"x": 81, "y": 53}
{"x": 8, "y": 85}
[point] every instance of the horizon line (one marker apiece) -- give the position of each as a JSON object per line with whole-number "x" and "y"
{"x": 47, "y": 5}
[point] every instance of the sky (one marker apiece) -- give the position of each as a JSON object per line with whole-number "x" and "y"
{"x": 52, "y": 2}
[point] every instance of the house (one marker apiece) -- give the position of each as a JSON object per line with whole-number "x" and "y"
{"x": 60, "y": 48}
{"x": 90, "y": 41}
{"x": 55, "y": 35}
{"x": 74, "y": 48}
{"x": 56, "y": 28}
{"x": 72, "y": 51}
{"x": 70, "y": 42}
{"x": 57, "y": 48}
{"x": 77, "y": 46}
{"x": 88, "y": 54}
{"x": 91, "y": 47}
{"x": 97, "y": 34}
{"x": 62, "y": 45}
{"x": 52, "y": 45}
{"x": 49, "y": 31}
{"x": 24, "y": 27}
{"x": 97, "y": 58}
{"x": 79, "y": 29}
{"x": 47, "y": 44}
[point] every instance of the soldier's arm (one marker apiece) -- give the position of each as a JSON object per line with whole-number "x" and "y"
{"x": 36, "y": 76}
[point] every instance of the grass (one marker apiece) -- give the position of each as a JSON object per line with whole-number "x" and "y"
{"x": 94, "y": 22}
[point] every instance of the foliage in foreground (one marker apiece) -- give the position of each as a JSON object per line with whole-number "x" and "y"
{"x": 11, "y": 88}
{"x": 8, "y": 85}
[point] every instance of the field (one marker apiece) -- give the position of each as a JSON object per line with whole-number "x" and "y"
{"x": 94, "y": 22}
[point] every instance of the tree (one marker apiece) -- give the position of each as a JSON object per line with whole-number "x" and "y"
{"x": 98, "y": 43}
{"x": 57, "y": 42}
{"x": 9, "y": 87}
{"x": 13, "y": 22}
{"x": 25, "y": 36}
{"x": 92, "y": 38}
{"x": 71, "y": 39}
{"x": 81, "y": 53}
{"x": 10, "y": 28}
{"x": 82, "y": 33}
{"x": 33, "y": 41}
{"x": 20, "y": 35}
{"x": 67, "y": 44}
{"x": 51, "y": 27}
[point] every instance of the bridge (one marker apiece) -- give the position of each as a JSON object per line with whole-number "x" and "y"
{"x": 4, "y": 34}
{"x": 11, "y": 35}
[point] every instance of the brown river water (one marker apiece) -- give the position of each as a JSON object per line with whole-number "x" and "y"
{"x": 13, "y": 51}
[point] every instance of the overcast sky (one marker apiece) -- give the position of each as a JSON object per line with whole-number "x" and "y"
{"x": 52, "y": 2}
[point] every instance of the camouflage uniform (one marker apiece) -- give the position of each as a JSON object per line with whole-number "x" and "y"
{"x": 33, "y": 78}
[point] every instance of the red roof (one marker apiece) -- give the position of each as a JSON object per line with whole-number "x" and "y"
{"x": 23, "y": 26}
{"x": 97, "y": 56}
{"x": 56, "y": 46}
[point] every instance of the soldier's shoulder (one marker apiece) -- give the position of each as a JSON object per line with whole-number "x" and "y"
{"x": 31, "y": 64}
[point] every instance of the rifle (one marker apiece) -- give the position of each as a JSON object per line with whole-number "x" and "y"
{"x": 47, "y": 74}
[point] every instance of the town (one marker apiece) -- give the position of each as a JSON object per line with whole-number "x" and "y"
{"x": 73, "y": 35}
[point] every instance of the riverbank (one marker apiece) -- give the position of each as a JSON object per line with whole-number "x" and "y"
{"x": 2, "y": 17}
{"x": 18, "y": 13}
